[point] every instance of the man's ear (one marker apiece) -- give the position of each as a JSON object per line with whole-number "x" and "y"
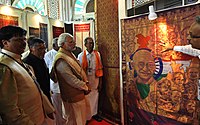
{"x": 31, "y": 49}
{"x": 62, "y": 43}
{"x": 132, "y": 64}
{"x": 5, "y": 42}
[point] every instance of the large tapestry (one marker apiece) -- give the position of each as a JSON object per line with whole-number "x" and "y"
{"x": 44, "y": 33}
{"x": 69, "y": 28}
{"x": 34, "y": 31}
{"x": 81, "y": 31}
{"x": 8, "y": 20}
{"x": 57, "y": 31}
{"x": 160, "y": 88}
{"x": 107, "y": 27}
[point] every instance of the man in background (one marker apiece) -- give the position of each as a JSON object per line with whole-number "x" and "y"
{"x": 36, "y": 60}
{"x": 192, "y": 49}
{"x": 56, "y": 98}
{"x": 77, "y": 50}
{"x": 91, "y": 63}
{"x": 26, "y": 53}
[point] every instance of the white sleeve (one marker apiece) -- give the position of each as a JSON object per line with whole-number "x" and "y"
{"x": 80, "y": 56}
{"x": 187, "y": 50}
{"x": 46, "y": 59}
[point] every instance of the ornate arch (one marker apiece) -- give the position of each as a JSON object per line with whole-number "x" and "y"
{"x": 80, "y": 10}
{"x": 79, "y": 6}
{"x": 36, "y": 5}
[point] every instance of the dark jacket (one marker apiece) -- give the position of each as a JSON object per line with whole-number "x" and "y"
{"x": 41, "y": 73}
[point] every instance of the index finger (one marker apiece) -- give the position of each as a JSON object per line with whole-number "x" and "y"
{"x": 162, "y": 41}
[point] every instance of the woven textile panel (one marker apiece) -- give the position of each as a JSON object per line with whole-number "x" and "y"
{"x": 159, "y": 88}
{"x": 8, "y": 20}
{"x": 108, "y": 45}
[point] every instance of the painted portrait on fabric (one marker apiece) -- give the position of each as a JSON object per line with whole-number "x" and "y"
{"x": 161, "y": 88}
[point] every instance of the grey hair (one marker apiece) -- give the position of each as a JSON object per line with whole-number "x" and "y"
{"x": 62, "y": 38}
{"x": 198, "y": 19}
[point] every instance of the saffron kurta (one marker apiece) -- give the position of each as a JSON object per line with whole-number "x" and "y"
{"x": 56, "y": 98}
{"x": 93, "y": 96}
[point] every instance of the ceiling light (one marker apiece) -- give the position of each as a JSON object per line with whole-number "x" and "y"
{"x": 152, "y": 15}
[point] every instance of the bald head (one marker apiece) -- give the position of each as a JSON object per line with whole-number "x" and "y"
{"x": 194, "y": 32}
{"x": 144, "y": 65}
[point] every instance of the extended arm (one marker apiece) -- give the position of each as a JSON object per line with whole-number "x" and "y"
{"x": 187, "y": 50}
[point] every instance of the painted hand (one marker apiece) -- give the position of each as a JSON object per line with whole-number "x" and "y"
{"x": 166, "y": 46}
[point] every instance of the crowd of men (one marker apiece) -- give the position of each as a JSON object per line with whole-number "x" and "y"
{"x": 34, "y": 90}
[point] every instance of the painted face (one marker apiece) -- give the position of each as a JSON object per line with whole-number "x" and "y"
{"x": 193, "y": 73}
{"x": 168, "y": 105}
{"x": 179, "y": 79}
{"x": 39, "y": 50}
{"x": 89, "y": 45}
{"x": 70, "y": 44}
{"x": 144, "y": 65}
{"x": 15, "y": 44}
{"x": 194, "y": 38}
{"x": 165, "y": 85}
{"x": 176, "y": 96}
{"x": 191, "y": 106}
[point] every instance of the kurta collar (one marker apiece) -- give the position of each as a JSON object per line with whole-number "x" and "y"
{"x": 87, "y": 53}
{"x": 64, "y": 51}
{"x": 69, "y": 53}
{"x": 34, "y": 57}
{"x": 15, "y": 56}
{"x": 54, "y": 51}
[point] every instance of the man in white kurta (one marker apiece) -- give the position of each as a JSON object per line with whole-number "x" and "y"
{"x": 56, "y": 98}
{"x": 90, "y": 69}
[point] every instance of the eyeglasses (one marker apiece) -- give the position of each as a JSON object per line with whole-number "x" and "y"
{"x": 193, "y": 36}
{"x": 148, "y": 65}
